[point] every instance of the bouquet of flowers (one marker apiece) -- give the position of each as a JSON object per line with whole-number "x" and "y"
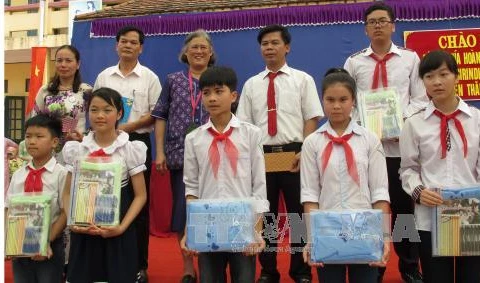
{"x": 69, "y": 118}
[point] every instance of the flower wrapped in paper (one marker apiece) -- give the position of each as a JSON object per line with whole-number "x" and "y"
{"x": 220, "y": 225}
{"x": 346, "y": 236}
{"x": 380, "y": 112}
{"x": 95, "y": 197}
{"x": 69, "y": 117}
{"x": 28, "y": 224}
{"x": 456, "y": 223}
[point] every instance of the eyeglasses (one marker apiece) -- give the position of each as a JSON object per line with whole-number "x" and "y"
{"x": 374, "y": 22}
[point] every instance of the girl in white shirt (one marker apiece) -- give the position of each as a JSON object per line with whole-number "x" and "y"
{"x": 440, "y": 154}
{"x": 343, "y": 167}
{"x": 107, "y": 254}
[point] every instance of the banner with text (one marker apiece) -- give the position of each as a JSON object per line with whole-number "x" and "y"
{"x": 463, "y": 44}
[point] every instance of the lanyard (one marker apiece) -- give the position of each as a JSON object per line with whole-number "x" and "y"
{"x": 192, "y": 98}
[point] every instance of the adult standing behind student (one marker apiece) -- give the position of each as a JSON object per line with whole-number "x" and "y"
{"x": 140, "y": 89}
{"x": 65, "y": 95}
{"x": 284, "y": 103}
{"x": 179, "y": 110}
{"x": 383, "y": 64}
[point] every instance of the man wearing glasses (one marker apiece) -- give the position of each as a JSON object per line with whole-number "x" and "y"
{"x": 386, "y": 65}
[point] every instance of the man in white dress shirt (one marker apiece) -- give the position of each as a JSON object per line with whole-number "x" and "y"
{"x": 284, "y": 103}
{"x": 383, "y": 64}
{"x": 140, "y": 89}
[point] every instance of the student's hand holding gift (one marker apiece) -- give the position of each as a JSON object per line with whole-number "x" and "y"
{"x": 39, "y": 257}
{"x": 430, "y": 198}
{"x": 110, "y": 231}
{"x": 90, "y": 230}
{"x": 256, "y": 247}
{"x": 306, "y": 257}
{"x": 184, "y": 248}
{"x": 386, "y": 256}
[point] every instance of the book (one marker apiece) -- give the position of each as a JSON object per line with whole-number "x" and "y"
{"x": 380, "y": 112}
{"x": 96, "y": 191}
{"x": 28, "y": 225}
{"x": 127, "y": 108}
{"x": 346, "y": 236}
{"x": 456, "y": 223}
{"x": 220, "y": 225}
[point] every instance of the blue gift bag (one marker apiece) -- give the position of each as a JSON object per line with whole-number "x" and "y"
{"x": 220, "y": 225}
{"x": 347, "y": 236}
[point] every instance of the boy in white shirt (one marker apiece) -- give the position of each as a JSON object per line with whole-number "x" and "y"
{"x": 224, "y": 160}
{"x": 42, "y": 174}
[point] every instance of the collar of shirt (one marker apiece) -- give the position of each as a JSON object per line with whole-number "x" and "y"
{"x": 234, "y": 122}
{"x": 352, "y": 127}
{"x": 462, "y": 106}
{"x": 393, "y": 49}
{"x": 284, "y": 69}
{"x": 90, "y": 143}
{"x": 50, "y": 165}
{"x": 137, "y": 70}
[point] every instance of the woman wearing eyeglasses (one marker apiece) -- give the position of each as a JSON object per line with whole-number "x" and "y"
{"x": 178, "y": 111}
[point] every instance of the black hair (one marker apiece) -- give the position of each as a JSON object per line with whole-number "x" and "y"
{"x": 202, "y": 34}
{"x": 379, "y": 6}
{"x": 434, "y": 59}
{"x": 127, "y": 29}
{"x": 77, "y": 79}
{"x": 43, "y": 120}
{"x": 111, "y": 96}
{"x": 286, "y": 37}
{"x": 339, "y": 76}
{"x": 219, "y": 76}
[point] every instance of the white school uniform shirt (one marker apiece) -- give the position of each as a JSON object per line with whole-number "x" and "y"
{"x": 402, "y": 74}
{"x": 421, "y": 155}
{"x": 296, "y": 99}
{"x": 131, "y": 154}
{"x": 53, "y": 180}
{"x": 249, "y": 182}
{"x": 142, "y": 85}
{"x": 335, "y": 188}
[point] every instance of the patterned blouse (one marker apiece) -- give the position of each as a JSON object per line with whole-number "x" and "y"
{"x": 70, "y": 106}
{"x": 175, "y": 106}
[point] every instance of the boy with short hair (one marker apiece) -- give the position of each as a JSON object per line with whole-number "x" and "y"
{"x": 224, "y": 160}
{"x": 42, "y": 174}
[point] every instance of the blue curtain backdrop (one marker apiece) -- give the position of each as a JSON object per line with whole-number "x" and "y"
{"x": 314, "y": 49}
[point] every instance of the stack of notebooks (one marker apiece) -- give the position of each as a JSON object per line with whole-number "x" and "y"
{"x": 28, "y": 225}
{"x": 95, "y": 194}
{"x": 220, "y": 225}
{"x": 456, "y": 223}
{"x": 346, "y": 236}
{"x": 380, "y": 112}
